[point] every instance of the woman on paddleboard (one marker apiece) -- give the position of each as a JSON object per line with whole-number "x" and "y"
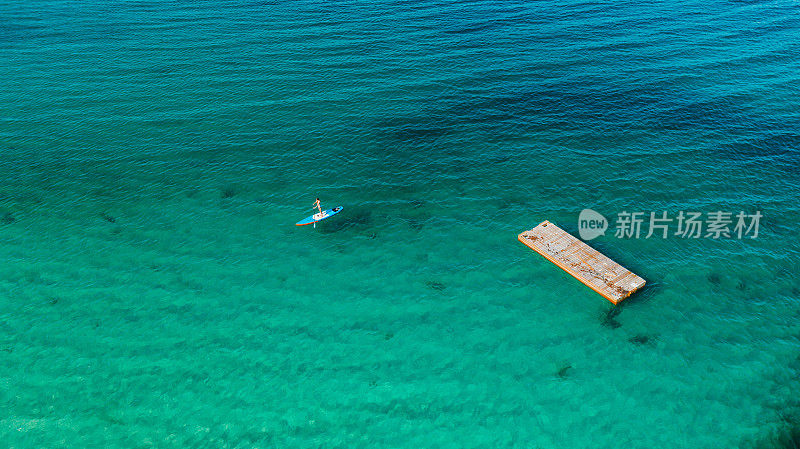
{"x": 317, "y": 205}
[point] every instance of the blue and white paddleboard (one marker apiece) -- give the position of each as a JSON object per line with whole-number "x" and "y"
{"x": 320, "y": 216}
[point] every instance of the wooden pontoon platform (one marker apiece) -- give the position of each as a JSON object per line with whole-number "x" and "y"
{"x": 585, "y": 263}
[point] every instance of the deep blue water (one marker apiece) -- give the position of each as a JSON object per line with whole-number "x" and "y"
{"x": 154, "y": 291}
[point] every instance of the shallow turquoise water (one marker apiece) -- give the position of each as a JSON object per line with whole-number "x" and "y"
{"x": 155, "y": 292}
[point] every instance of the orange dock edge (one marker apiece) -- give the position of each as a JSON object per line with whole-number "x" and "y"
{"x": 608, "y": 278}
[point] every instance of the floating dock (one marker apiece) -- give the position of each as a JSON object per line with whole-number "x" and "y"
{"x": 585, "y": 263}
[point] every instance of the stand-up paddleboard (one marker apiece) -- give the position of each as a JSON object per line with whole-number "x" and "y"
{"x": 320, "y": 216}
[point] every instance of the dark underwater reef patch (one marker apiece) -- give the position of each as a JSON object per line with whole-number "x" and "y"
{"x": 609, "y": 319}
{"x": 790, "y": 437}
{"x": 227, "y": 192}
{"x": 410, "y": 410}
{"x": 557, "y": 106}
{"x": 438, "y": 286}
{"x": 415, "y": 224}
{"x": 786, "y": 437}
{"x": 424, "y": 128}
{"x": 419, "y": 133}
{"x": 642, "y": 340}
{"x": 413, "y": 142}
{"x": 345, "y": 220}
{"x": 645, "y": 105}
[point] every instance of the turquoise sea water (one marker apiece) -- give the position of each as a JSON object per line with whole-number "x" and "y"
{"x": 154, "y": 291}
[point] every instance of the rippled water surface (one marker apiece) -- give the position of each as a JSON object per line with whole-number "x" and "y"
{"x": 154, "y": 291}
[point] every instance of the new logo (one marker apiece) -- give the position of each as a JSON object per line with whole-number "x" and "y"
{"x": 591, "y": 224}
